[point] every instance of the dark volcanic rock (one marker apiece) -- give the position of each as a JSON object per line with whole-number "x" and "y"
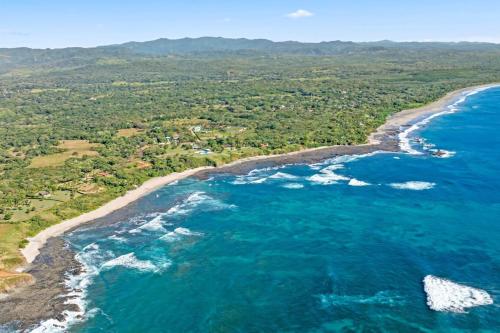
{"x": 43, "y": 300}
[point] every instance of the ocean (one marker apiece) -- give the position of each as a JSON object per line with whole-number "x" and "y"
{"x": 338, "y": 246}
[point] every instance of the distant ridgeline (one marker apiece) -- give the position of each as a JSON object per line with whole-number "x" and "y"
{"x": 217, "y": 46}
{"x": 81, "y": 126}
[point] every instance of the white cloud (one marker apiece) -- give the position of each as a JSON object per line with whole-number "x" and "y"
{"x": 299, "y": 13}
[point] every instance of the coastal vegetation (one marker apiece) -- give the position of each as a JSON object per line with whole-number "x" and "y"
{"x": 80, "y": 127}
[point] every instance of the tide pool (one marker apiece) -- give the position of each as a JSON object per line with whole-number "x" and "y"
{"x": 342, "y": 245}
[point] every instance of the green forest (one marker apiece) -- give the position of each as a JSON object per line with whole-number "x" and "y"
{"x": 80, "y": 127}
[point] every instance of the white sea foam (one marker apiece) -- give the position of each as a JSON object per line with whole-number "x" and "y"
{"x": 239, "y": 180}
{"x": 428, "y": 146}
{"x": 413, "y": 185}
{"x": 326, "y": 176}
{"x": 258, "y": 180}
{"x": 170, "y": 237}
{"x": 332, "y": 167}
{"x": 91, "y": 257}
{"x": 187, "y": 232}
{"x": 381, "y": 298}
{"x": 129, "y": 260}
{"x": 404, "y": 140}
{"x": 259, "y": 176}
{"x": 283, "y": 175}
{"x": 117, "y": 238}
{"x": 445, "y": 295}
{"x": 156, "y": 224}
{"x": 77, "y": 286}
{"x": 178, "y": 233}
{"x": 355, "y": 182}
{"x": 195, "y": 200}
{"x": 316, "y": 166}
{"x": 441, "y": 153}
{"x": 293, "y": 186}
{"x": 342, "y": 159}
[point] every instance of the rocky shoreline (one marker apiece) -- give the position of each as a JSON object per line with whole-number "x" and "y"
{"x": 28, "y": 306}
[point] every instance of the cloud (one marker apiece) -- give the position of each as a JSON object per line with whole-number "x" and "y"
{"x": 299, "y": 13}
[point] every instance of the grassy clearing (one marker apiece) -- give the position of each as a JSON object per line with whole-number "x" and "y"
{"x": 73, "y": 149}
{"x": 128, "y": 132}
{"x": 37, "y": 205}
{"x": 89, "y": 189}
{"x": 10, "y": 237}
{"x": 39, "y": 91}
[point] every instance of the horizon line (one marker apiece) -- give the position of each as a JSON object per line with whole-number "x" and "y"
{"x": 267, "y": 39}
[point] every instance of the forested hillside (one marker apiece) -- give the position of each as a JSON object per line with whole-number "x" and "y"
{"x": 82, "y": 126}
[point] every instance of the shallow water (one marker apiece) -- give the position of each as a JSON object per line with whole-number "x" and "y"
{"x": 338, "y": 246}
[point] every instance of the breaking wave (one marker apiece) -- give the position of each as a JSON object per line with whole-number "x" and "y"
{"x": 156, "y": 224}
{"x": 355, "y": 182}
{"x": 441, "y": 153}
{"x": 282, "y": 175}
{"x": 293, "y": 186}
{"x": 117, "y": 238}
{"x": 413, "y": 185}
{"x": 91, "y": 258}
{"x": 77, "y": 286}
{"x": 129, "y": 260}
{"x": 259, "y": 176}
{"x": 445, "y": 295}
{"x": 404, "y": 136}
{"x": 178, "y": 233}
{"x": 326, "y": 176}
{"x": 195, "y": 200}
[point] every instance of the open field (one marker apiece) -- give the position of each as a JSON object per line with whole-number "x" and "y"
{"x": 128, "y": 132}
{"x": 72, "y": 149}
{"x": 139, "y": 116}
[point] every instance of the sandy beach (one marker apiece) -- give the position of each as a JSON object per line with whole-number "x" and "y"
{"x": 31, "y": 251}
{"x": 384, "y": 138}
{"x": 29, "y": 305}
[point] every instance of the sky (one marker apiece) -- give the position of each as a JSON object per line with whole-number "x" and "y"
{"x": 58, "y": 23}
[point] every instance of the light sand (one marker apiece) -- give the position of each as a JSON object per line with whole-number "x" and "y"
{"x": 402, "y": 118}
{"x": 37, "y": 242}
{"x": 407, "y": 116}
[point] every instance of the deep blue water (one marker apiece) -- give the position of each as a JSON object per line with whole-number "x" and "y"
{"x": 298, "y": 249}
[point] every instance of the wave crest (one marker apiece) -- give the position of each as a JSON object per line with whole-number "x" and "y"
{"x": 326, "y": 176}
{"x": 445, "y": 295}
{"x": 356, "y": 182}
{"x": 293, "y": 186}
{"x": 129, "y": 260}
{"x": 195, "y": 200}
{"x": 413, "y": 185}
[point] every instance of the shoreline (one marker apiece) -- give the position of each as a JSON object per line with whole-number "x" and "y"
{"x": 384, "y": 138}
{"x": 50, "y": 298}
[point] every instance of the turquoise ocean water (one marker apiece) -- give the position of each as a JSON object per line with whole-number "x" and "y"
{"x": 302, "y": 248}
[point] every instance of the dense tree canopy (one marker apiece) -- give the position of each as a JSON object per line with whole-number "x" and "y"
{"x": 82, "y": 126}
